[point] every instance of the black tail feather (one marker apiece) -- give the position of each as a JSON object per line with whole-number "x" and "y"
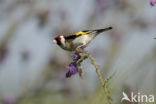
{"x": 102, "y": 30}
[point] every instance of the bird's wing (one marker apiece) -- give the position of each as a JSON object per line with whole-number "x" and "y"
{"x": 84, "y": 32}
{"x": 103, "y": 30}
{"x": 70, "y": 36}
{"x": 75, "y": 35}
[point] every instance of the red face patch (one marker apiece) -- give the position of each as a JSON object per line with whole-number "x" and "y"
{"x": 58, "y": 39}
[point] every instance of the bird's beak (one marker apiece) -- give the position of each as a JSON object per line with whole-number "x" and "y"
{"x": 54, "y": 41}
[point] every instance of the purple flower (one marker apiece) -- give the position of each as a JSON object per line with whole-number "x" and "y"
{"x": 152, "y": 2}
{"x": 72, "y": 69}
{"x": 76, "y": 57}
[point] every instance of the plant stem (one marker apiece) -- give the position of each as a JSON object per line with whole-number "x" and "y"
{"x": 103, "y": 83}
{"x": 96, "y": 67}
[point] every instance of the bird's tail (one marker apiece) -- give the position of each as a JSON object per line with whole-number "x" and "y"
{"x": 103, "y": 30}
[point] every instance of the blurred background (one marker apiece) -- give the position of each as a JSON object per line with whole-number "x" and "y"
{"x": 32, "y": 69}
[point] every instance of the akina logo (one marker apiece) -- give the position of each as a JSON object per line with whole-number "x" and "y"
{"x": 138, "y": 98}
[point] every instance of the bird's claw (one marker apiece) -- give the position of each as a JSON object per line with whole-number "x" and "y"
{"x": 79, "y": 49}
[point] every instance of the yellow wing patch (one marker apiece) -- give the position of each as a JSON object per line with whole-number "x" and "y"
{"x": 83, "y": 33}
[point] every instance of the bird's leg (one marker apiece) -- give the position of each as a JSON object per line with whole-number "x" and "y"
{"x": 79, "y": 49}
{"x": 79, "y": 61}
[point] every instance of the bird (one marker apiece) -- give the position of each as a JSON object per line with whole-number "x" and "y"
{"x": 77, "y": 41}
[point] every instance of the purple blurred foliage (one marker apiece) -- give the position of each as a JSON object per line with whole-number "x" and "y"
{"x": 63, "y": 14}
{"x": 25, "y": 55}
{"x": 43, "y": 17}
{"x": 56, "y": 63}
{"x": 8, "y": 99}
{"x": 102, "y": 5}
{"x": 152, "y": 2}
{"x": 116, "y": 36}
{"x": 3, "y": 53}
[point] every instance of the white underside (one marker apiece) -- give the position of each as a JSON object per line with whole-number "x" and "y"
{"x": 81, "y": 40}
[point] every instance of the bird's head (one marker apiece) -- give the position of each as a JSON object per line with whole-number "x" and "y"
{"x": 59, "y": 40}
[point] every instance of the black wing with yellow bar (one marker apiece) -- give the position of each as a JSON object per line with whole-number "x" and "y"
{"x": 73, "y": 36}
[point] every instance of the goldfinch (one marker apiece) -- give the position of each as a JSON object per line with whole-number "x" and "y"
{"x": 79, "y": 40}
